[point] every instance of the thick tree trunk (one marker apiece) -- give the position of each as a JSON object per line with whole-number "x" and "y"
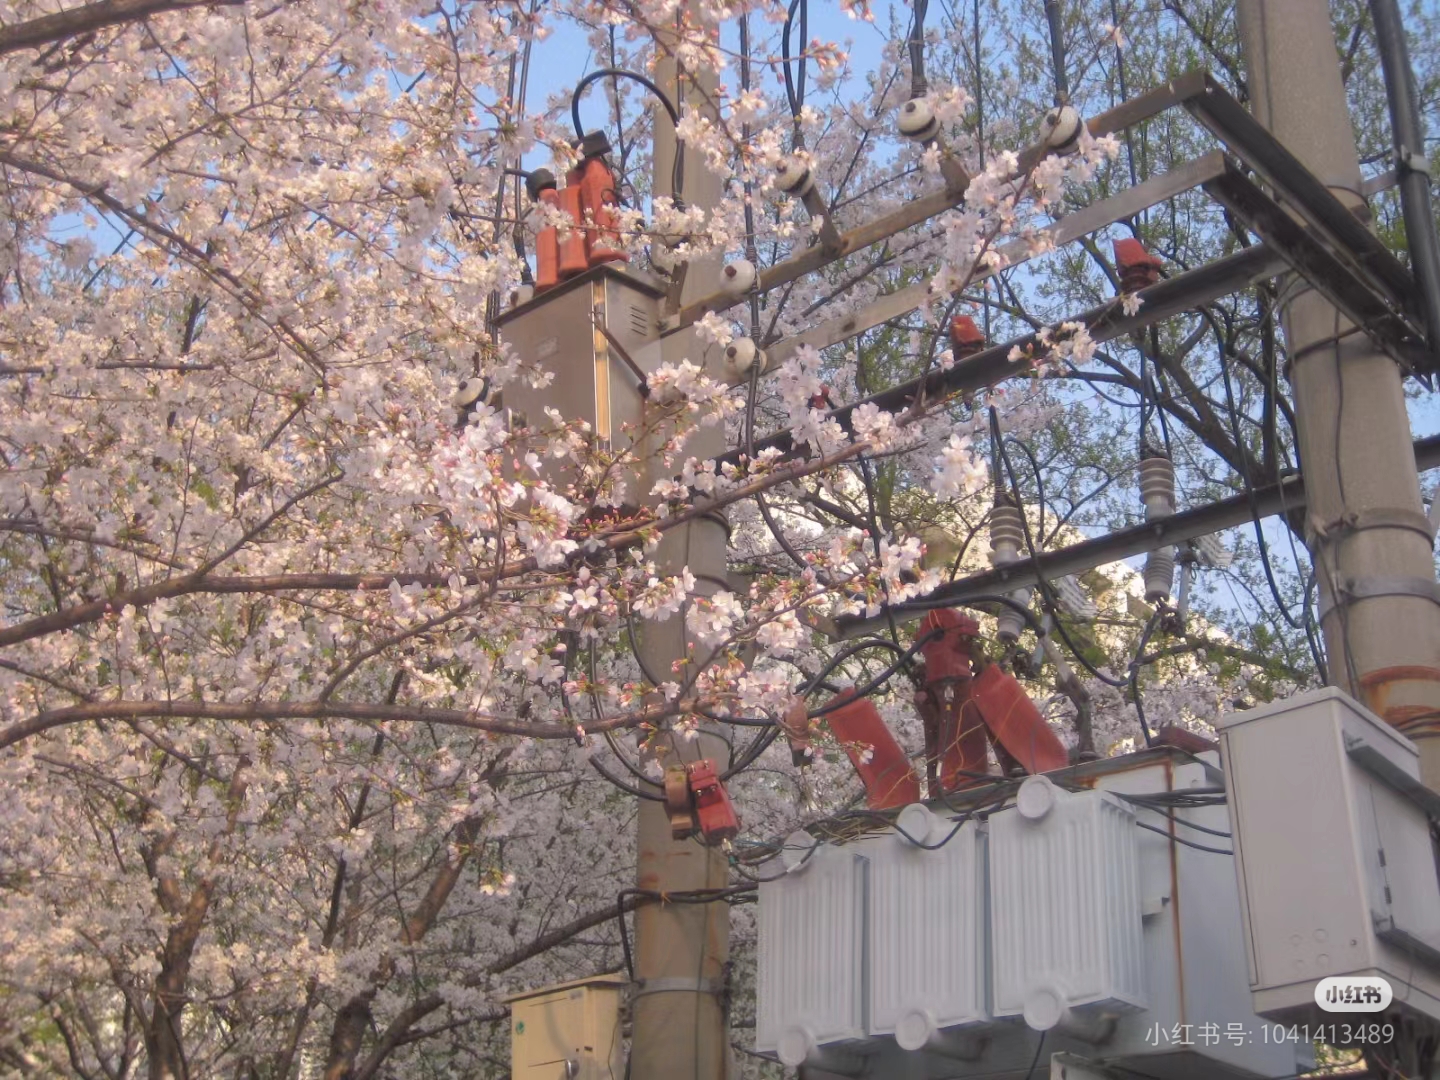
{"x": 351, "y": 1023}
{"x": 163, "y": 1040}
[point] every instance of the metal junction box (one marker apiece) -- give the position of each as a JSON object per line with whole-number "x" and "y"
{"x": 581, "y": 330}
{"x": 1335, "y": 852}
{"x": 570, "y": 1031}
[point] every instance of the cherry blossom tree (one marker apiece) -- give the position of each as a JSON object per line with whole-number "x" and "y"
{"x": 317, "y": 700}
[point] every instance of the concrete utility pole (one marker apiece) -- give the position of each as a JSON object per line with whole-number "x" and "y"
{"x": 679, "y": 1027}
{"x": 1366, "y": 528}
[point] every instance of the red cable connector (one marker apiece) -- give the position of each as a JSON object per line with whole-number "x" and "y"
{"x": 713, "y": 808}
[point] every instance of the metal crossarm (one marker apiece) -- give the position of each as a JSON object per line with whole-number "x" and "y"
{"x": 1104, "y": 323}
{"x": 1368, "y": 299}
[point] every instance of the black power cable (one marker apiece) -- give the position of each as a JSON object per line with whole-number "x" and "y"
{"x": 916, "y": 47}
{"x": 1055, "y": 18}
{"x": 1232, "y": 407}
{"x": 677, "y": 172}
{"x": 795, "y": 85}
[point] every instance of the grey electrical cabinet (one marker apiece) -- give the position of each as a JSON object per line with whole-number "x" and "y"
{"x": 598, "y": 334}
{"x": 1335, "y": 854}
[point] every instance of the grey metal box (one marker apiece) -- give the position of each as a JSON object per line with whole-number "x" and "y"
{"x": 581, "y": 330}
{"x": 1334, "y": 853}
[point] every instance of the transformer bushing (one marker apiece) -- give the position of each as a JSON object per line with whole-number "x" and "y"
{"x": 1157, "y": 491}
{"x": 1007, "y": 536}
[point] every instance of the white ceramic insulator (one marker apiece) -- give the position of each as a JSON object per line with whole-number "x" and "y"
{"x": 738, "y": 278}
{"x": 1157, "y": 492}
{"x": 741, "y": 356}
{"x": 1159, "y": 574}
{"x": 1045, "y": 1008}
{"x": 1157, "y": 486}
{"x": 471, "y": 390}
{"x": 794, "y": 1045}
{"x": 915, "y": 824}
{"x": 1061, "y": 127}
{"x": 915, "y": 1028}
{"x": 792, "y": 176}
{"x": 917, "y": 120}
{"x": 1036, "y": 798}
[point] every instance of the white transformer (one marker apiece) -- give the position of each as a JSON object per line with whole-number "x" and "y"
{"x": 1058, "y": 924}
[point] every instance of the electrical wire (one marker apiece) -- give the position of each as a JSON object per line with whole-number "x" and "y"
{"x": 1055, "y": 19}
{"x": 629, "y": 789}
{"x": 1134, "y": 680}
{"x": 980, "y": 602}
{"x": 1230, "y": 403}
{"x": 1168, "y": 811}
{"x": 811, "y": 685}
{"x": 795, "y": 86}
{"x": 1039, "y": 1048}
{"x": 691, "y": 896}
{"x": 1039, "y": 480}
{"x": 677, "y": 172}
{"x": 624, "y": 786}
{"x": 916, "y": 47}
{"x": 1004, "y": 789}
{"x": 1046, "y": 591}
{"x": 751, "y": 754}
{"x": 876, "y": 683}
{"x": 1179, "y": 840}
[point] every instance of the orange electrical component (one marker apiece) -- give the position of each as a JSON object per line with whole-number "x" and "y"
{"x": 1137, "y": 268}
{"x": 597, "y": 199}
{"x": 955, "y": 736}
{"x": 966, "y": 339}
{"x": 796, "y": 724}
{"x": 889, "y": 781}
{"x": 1014, "y": 721}
{"x": 574, "y": 257}
{"x": 713, "y": 808}
{"x": 541, "y": 184}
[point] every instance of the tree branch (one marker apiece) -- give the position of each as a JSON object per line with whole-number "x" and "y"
{"x": 337, "y": 710}
{"x": 88, "y": 18}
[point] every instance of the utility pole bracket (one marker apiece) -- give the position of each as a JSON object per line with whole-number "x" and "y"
{"x": 1355, "y": 589}
{"x": 1374, "y": 518}
{"x": 678, "y": 984}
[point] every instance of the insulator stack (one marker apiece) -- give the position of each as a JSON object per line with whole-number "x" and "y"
{"x": 542, "y": 188}
{"x": 598, "y": 200}
{"x": 1007, "y": 539}
{"x": 1157, "y": 491}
